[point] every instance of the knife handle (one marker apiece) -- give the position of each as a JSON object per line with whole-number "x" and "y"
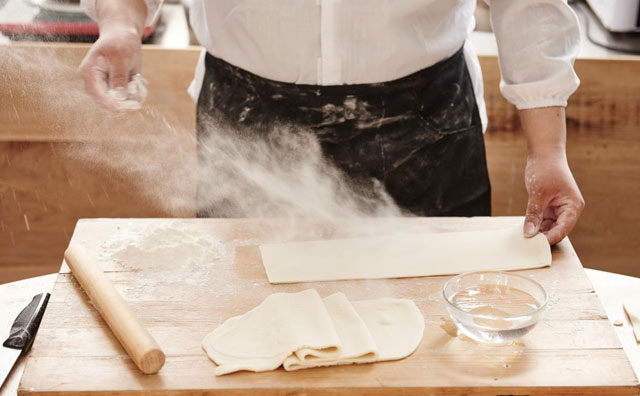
{"x": 24, "y": 328}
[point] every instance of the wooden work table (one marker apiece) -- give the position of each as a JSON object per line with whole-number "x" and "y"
{"x": 573, "y": 350}
{"x": 611, "y": 290}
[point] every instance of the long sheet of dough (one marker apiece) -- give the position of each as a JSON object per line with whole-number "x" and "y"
{"x": 402, "y": 256}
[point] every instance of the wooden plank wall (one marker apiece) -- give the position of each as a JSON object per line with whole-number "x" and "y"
{"x": 49, "y": 177}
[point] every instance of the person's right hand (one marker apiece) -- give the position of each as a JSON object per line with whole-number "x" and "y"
{"x": 111, "y": 68}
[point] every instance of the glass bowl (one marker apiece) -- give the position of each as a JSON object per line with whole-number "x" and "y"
{"x": 494, "y": 307}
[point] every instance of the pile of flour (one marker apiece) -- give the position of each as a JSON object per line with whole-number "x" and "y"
{"x": 169, "y": 250}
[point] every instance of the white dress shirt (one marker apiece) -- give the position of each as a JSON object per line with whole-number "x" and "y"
{"x": 331, "y": 42}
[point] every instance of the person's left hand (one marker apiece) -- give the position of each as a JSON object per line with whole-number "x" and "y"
{"x": 555, "y": 202}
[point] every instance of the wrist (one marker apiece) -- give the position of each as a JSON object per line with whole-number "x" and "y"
{"x": 551, "y": 150}
{"x": 545, "y": 131}
{"x": 121, "y": 26}
{"x": 122, "y": 16}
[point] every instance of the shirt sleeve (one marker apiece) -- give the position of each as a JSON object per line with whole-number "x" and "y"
{"x": 153, "y": 7}
{"x": 538, "y": 41}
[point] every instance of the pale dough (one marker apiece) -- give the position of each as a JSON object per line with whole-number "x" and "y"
{"x": 264, "y": 337}
{"x": 396, "y": 325}
{"x": 300, "y": 330}
{"x": 405, "y": 255}
{"x": 356, "y": 342}
{"x": 632, "y": 308}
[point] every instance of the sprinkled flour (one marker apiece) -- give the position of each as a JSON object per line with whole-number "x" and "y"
{"x": 167, "y": 250}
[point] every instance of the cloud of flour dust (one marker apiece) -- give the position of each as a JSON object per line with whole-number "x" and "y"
{"x": 281, "y": 172}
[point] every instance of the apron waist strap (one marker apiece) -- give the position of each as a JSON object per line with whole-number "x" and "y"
{"x": 321, "y": 94}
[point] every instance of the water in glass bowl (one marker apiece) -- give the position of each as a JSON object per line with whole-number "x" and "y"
{"x": 495, "y": 313}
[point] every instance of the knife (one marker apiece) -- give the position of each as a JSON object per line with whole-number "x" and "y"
{"x": 23, "y": 331}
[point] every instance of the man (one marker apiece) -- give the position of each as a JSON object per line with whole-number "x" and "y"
{"x": 390, "y": 88}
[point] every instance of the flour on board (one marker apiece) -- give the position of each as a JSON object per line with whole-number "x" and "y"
{"x": 166, "y": 250}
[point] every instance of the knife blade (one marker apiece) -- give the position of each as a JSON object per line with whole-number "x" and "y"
{"x": 22, "y": 334}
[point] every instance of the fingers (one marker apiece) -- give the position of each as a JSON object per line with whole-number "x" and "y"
{"x": 128, "y": 90}
{"x": 137, "y": 88}
{"x": 534, "y": 216}
{"x": 99, "y": 77}
{"x": 94, "y": 73}
{"x": 568, "y": 216}
{"x": 546, "y": 225}
{"x": 118, "y": 77}
{"x": 131, "y": 97}
{"x": 562, "y": 226}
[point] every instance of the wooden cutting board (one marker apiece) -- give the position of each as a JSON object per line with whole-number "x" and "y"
{"x": 183, "y": 292}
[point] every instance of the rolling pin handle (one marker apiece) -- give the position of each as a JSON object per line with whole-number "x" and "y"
{"x": 135, "y": 339}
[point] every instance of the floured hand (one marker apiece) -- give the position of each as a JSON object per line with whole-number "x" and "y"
{"x": 555, "y": 202}
{"x": 111, "y": 68}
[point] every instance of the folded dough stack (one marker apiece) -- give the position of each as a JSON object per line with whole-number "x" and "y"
{"x": 302, "y": 330}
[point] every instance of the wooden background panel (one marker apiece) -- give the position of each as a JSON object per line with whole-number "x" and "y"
{"x": 55, "y": 140}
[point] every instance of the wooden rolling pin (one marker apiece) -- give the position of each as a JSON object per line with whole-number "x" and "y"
{"x": 135, "y": 339}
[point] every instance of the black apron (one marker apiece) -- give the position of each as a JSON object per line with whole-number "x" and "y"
{"x": 421, "y": 135}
